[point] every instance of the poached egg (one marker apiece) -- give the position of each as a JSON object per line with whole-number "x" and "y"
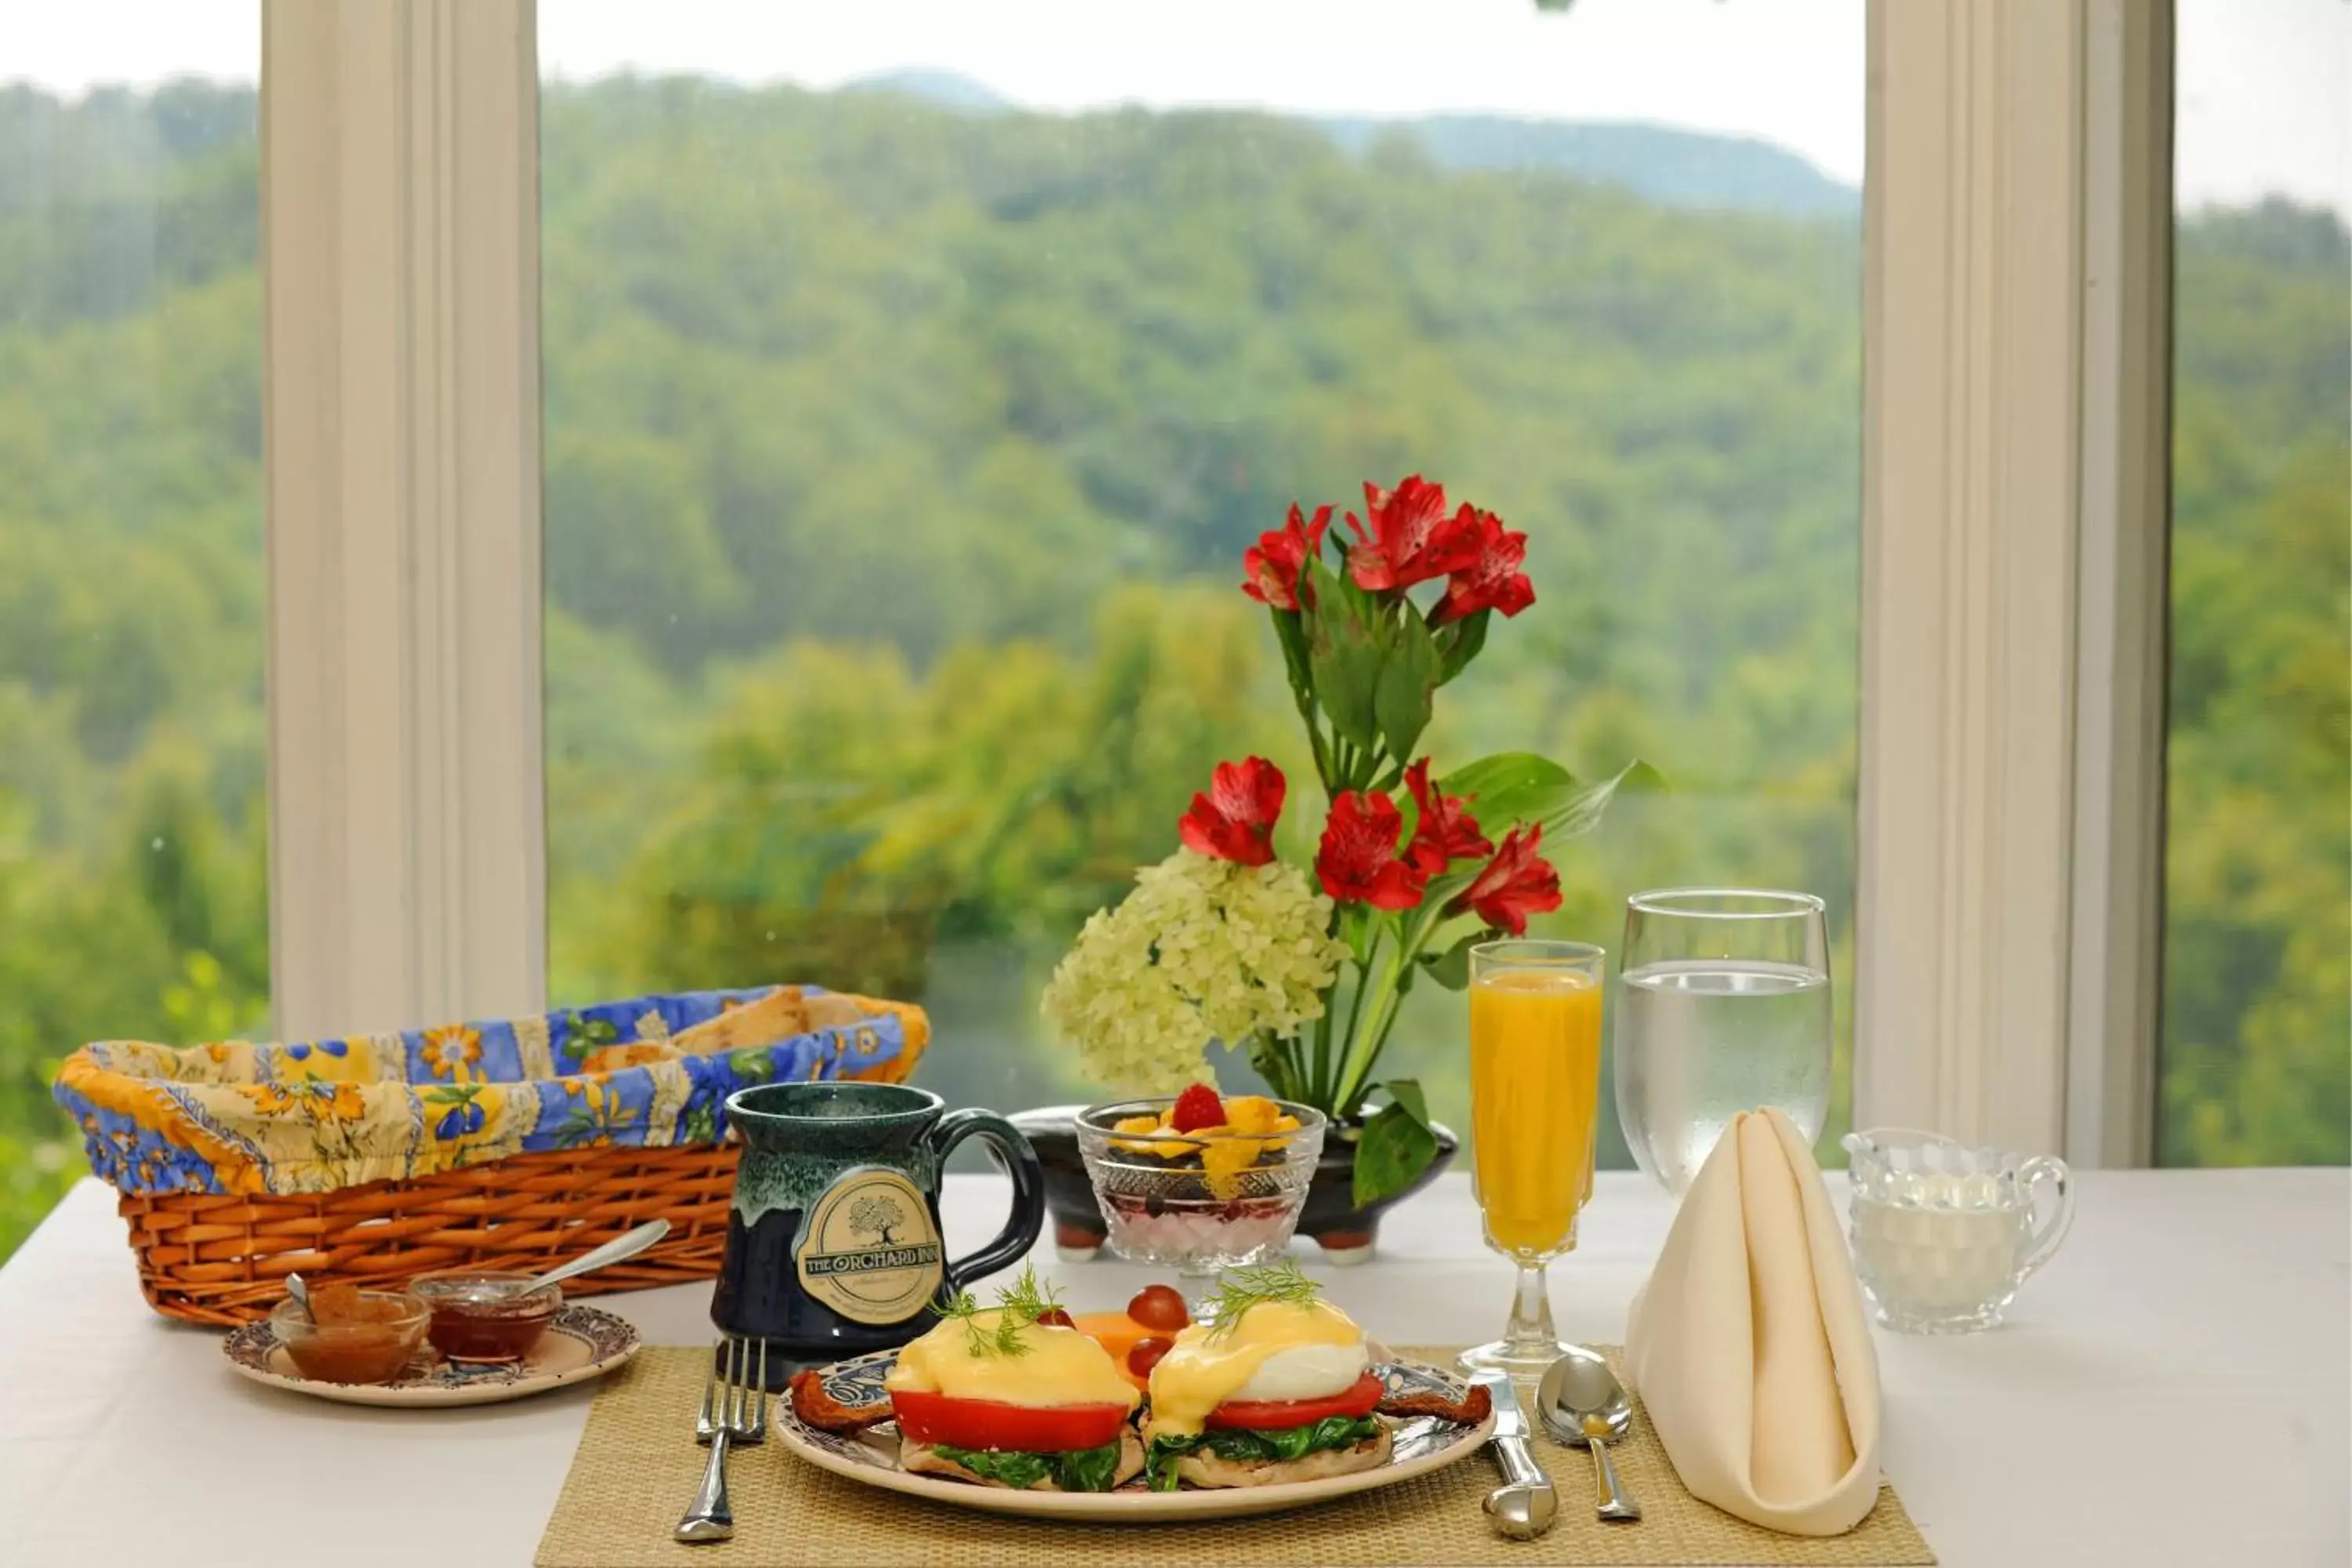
{"x": 1276, "y": 1351}
{"x": 1055, "y": 1366}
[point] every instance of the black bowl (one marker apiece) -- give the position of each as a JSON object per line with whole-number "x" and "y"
{"x": 1346, "y": 1233}
{"x": 1052, "y": 1132}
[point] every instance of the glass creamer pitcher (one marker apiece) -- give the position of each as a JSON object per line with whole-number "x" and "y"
{"x": 1944, "y": 1234}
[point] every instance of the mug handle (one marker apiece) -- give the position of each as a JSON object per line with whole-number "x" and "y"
{"x": 2052, "y": 1231}
{"x": 1020, "y": 1161}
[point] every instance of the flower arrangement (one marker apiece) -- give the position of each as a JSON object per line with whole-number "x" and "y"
{"x": 1225, "y": 942}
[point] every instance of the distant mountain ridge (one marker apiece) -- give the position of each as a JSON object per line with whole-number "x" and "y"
{"x": 1662, "y": 163}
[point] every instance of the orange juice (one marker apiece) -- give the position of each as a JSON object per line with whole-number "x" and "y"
{"x": 1535, "y": 1101}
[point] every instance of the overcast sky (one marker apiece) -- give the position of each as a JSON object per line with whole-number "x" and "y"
{"x": 2263, "y": 84}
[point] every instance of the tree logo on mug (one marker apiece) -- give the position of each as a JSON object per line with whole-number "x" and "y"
{"x": 868, "y": 1251}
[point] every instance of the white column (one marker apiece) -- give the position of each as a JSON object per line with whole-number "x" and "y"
{"x": 2006, "y": 919}
{"x": 400, "y": 218}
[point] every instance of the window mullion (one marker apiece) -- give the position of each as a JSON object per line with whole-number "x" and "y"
{"x": 400, "y": 202}
{"x": 2118, "y": 932}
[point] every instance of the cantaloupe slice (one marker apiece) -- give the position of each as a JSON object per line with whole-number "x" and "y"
{"x": 1116, "y": 1332}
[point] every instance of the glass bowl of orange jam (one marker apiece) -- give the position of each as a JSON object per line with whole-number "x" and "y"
{"x": 350, "y": 1335}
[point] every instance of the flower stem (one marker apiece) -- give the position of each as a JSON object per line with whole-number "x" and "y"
{"x": 1356, "y": 1008}
{"x": 1314, "y": 1081}
{"x": 1362, "y": 1047}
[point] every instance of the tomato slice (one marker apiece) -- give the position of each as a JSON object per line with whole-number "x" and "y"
{"x": 992, "y": 1424}
{"x": 1271, "y": 1415}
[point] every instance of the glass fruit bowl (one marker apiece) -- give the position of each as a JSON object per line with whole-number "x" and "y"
{"x": 1203, "y": 1202}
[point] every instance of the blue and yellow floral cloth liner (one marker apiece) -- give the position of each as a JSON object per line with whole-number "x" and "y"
{"x": 650, "y": 1072}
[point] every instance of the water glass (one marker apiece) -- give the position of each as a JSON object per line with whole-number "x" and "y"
{"x": 1944, "y": 1234}
{"x": 1535, "y": 1107}
{"x": 1723, "y": 1006}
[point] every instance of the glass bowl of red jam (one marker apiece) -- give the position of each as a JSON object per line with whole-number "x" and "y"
{"x": 486, "y": 1318}
{"x": 351, "y": 1335}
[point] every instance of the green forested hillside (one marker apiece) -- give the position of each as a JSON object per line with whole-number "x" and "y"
{"x": 898, "y": 464}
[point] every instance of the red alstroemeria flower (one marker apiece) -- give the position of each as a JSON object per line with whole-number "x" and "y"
{"x": 1410, "y": 539}
{"x": 1491, "y": 580}
{"x": 1235, "y": 820}
{"x": 1445, "y": 832}
{"x": 1277, "y": 558}
{"x": 1359, "y": 863}
{"x": 1517, "y": 883}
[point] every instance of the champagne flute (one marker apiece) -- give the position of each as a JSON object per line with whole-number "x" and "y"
{"x": 1535, "y": 1107}
{"x": 1724, "y": 1007}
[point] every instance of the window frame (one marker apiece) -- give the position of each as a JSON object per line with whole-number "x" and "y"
{"x": 2017, "y": 248}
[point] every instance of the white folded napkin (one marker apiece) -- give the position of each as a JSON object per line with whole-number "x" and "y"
{"x": 1748, "y": 1346}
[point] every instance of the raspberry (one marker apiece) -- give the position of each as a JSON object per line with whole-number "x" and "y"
{"x": 1196, "y": 1107}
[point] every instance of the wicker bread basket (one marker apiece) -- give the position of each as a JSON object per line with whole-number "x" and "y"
{"x": 216, "y": 1234}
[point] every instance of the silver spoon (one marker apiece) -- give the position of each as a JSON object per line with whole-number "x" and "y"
{"x": 300, "y": 1292}
{"x": 1582, "y": 1403}
{"x": 612, "y": 1251}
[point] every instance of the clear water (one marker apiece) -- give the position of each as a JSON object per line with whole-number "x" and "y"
{"x": 1698, "y": 1041}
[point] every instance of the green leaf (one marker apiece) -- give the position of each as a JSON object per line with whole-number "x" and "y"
{"x": 1396, "y": 1147}
{"x": 1508, "y": 787}
{"x": 1514, "y": 787}
{"x": 1343, "y": 653}
{"x": 1580, "y": 812}
{"x": 1408, "y": 681}
{"x": 1406, "y": 1092}
{"x": 1460, "y": 643}
{"x": 1451, "y": 968}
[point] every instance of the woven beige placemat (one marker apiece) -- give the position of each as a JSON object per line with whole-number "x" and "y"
{"x": 637, "y": 1468}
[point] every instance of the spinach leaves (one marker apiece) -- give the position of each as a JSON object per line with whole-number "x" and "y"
{"x": 1247, "y": 1445}
{"x": 1078, "y": 1470}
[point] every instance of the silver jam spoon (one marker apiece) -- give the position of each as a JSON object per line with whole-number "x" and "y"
{"x": 614, "y": 1251}
{"x": 1582, "y": 1403}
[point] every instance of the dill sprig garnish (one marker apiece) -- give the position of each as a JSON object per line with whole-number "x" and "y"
{"x": 1243, "y": 1288}
{"x": 1019, "y": 1306}
{"x": 1029, "y": 1296}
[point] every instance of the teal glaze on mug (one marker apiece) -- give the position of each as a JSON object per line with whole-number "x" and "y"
{"x": 834, "y": 1243}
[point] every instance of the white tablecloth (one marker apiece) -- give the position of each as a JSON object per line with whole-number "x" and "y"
{"x": 2173, "y": 1389}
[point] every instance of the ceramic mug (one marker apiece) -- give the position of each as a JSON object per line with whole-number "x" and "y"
{"x": 833, "y": 1242}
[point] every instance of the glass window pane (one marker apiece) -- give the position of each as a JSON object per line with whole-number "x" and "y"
{"x": 917, "y": 374}
{"x": 2258, "y": 893}
{"x": 133, "y": 893}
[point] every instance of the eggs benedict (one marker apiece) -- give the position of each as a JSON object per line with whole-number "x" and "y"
{"x": 1277, "y": 1386}
{"x": 1015, "y": 1396}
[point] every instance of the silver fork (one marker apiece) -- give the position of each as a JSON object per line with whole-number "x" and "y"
{"x": 706, "y": 1423}
{"x": 734, "y": 1410}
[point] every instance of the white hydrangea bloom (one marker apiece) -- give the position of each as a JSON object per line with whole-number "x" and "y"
{"x": 1201, "y": 950}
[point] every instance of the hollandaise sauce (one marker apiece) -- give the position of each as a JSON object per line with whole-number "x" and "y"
{"x": 1276, "y": 1351}
{"x": 960, "y": 1358}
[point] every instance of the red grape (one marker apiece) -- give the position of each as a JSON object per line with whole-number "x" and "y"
{"x": 1055, "y": 1317}
{"x": 1145, "y": 1354}
{"x": 1159, "y": 1306}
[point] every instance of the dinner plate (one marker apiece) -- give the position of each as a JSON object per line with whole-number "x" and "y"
{"x": 580, "y": 1343}
{"x": 1422, "y": 1444}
